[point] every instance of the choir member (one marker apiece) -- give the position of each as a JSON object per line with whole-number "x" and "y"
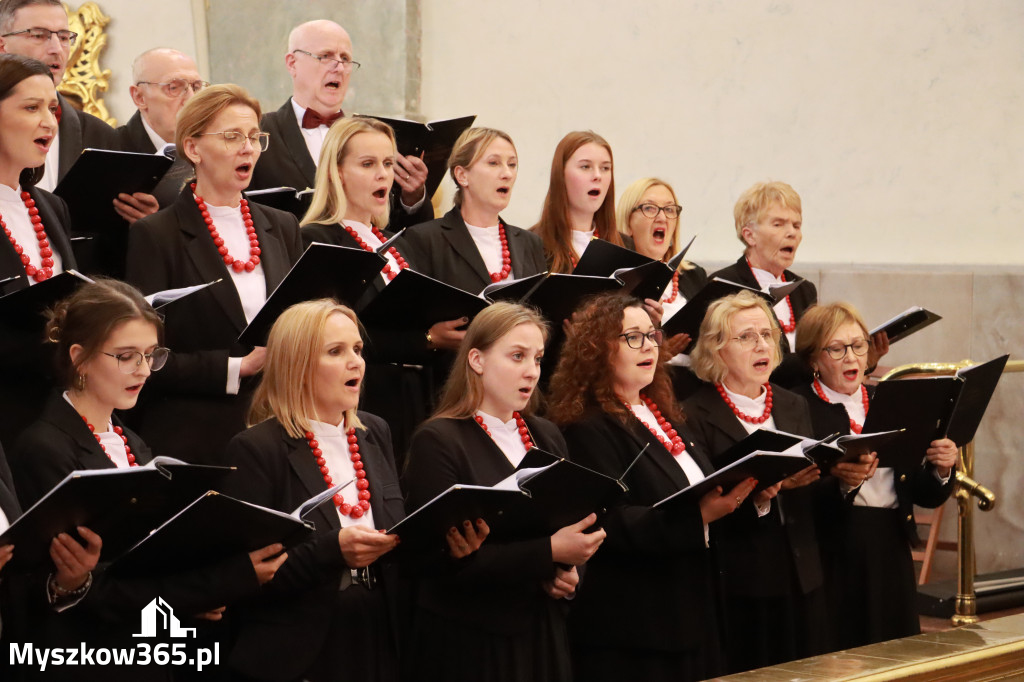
{"x": 211, "y": 233}
{"x": 107, "y": 340}
{"x": 350, "y": 208}
{"x": 39, "y": 29}
{"x": 498, "y": 614}
{"x": 580, "y": 203}
{"x": 329, "y": 613}
{"x": 163, "y": 80}
{"x": 768, "y": 559}
{"x": 612, "y": 395}
{"x": 36, "y": 224}
{"x": 471, "y": 247}
{"x": 867, "y": 536}
{"x": 320, "y": 63}
{"x": 648, "y": 216}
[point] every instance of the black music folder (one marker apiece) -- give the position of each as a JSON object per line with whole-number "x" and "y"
{"x": 847, "y": 448}
{"x": 602, "y": 258}
{"x": 687, "y": 320}
{"x": 556, "y": 295}
{"x": 533, "y": 502}
{"x": 215, "y": 527}
{"x": 121, "y": 505}
{"x": 288, "y": 199}
{"x": 24, "y": 311}
{"x": 98, "y": 176}
{"x": 979, "y": 384}
{"x": 322, "y": 271}
{"x": 910, "y": 321}
{"x": 920, "y": 407}
{"x": 414, "y": 301}
{"x": 651, "y": 279}
{"x": 434, "y": 141}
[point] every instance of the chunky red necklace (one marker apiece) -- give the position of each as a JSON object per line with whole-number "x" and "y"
{"x": 676, "y": 447}
{"x": 254, "y": 241}
{"x": 124, "y": 439}
{"x": 388, "y": 272}
{"x": 506, "y": 257}
{"x": 45, "y": 269}
{"x": 854, "y": 426}
{"x": 788, "y": 327}
{"x": 736, "y": 411}
{"x": 675, "y": 287}
{"x": 524, "y": 431}
{"x": 356, "y": 510}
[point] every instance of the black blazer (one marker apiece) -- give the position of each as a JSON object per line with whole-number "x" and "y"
{"x": 78, "y": 131}
{"x": 759, "y": 556}
{"x": 498, "y": 587}
{"x": 173, "y": 249}
{"x": 914, "y": 486}
{"x": 288, "y": 163}
{"x": 443, "y": 249}
{"x": 133, "y": 138}
{"x": 281, "y": 633}
{"x": 653, "y": 570}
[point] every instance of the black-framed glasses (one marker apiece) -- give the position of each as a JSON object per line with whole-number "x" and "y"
{"x": 837, "y": 351}
{"x": 672, "y": 211}
{"x": 234, "y": 141}
{"x": 130, "y": 360}
{"x": 176, "y": 87}
{"x": 748, "y": 339}
{"x": 345, "y": 64}
{"x": 636, "y": 340}
{"x": 42, "y": 35}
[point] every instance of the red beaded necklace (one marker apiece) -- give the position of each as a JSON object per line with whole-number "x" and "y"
{"x": 524, "y": 431}
{"x": 124, "y": 439}
{"x": 675, "y": 287}
{"x": 254, "y": 242}
{"x": 506, "y": 257}
{"x": 388, "y": 272}
{"x": 854, "y": 426}
{"x": 676, "y": 447}
{"x": 787, "y": 327}
{"x": 356, "y": 510}
{"x": 736, "y": 411}
{"x": 45, "y": 269}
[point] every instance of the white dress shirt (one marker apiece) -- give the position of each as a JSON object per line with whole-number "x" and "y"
{"x": 765, "y": 279}
{"x": 580, "y": 241}
{"x": 333, "y": 442}
{"x": 488, "y": 243}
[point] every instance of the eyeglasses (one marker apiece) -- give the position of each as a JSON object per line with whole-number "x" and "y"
{"x": 635, "y": 340}
{"x": 234, "y": 141}
{"x": 345, "y": 64}
{"x": 748, "y": 339}
{"x": 43, "y": 35}
{"x": 177, "y": 86}
{"x": 651, "y": 211}
{"x": 837, "y": 351}
{"x": 131, "y": 360}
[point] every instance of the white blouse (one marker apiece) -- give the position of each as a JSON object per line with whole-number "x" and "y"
{"x": 506, "y": 436}
{"x": 333, "y": 443}
{"x": 488, "y": 243}
{"x": 782, "y": 311}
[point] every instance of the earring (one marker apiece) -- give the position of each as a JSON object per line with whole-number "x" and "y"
{"x": 80, "y": 382}
{"x": 817, "y": 374}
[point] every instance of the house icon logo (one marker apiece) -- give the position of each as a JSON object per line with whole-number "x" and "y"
{"x": 158, "y": 619}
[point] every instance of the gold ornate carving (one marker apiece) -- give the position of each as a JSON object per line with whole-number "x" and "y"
{"x": 84, "y": 80}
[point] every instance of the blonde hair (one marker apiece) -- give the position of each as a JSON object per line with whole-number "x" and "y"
{"x": 468, "y": 149}
{"x": 819, "y": 323}
{"x": 630, "y": 199}
{"x": 329, "y": 203}
{"x": 293, "y": 356}
{"x": 199, "y": 111}
{"x": 463, "y": 392}
{"x": 752, "y": 205}
{"x": 716, "y": 331}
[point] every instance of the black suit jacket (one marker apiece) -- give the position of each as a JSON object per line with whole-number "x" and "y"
{"x": 653, "y": 570}
{"x": 760, "y": 556}
{"x": 186, "y": 412}
{"x": 79, "y": 130}
{"x": 287, "y": 163}
{"x": 133, "y": 138}
{"x": 498, "y": 587}
{"x": 281, "y": 633}
{"x": 443, "y": 249}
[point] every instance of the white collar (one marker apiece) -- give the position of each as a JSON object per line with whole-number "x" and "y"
{"x": 159, "y": 143}
{"x": 493, "y": 423}
{"x": 752, "y": 407}
{"x": 837, "y": 397}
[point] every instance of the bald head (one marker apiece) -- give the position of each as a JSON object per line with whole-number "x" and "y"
{"x": 158, "y": 102}
{"x": 317, "y": 84}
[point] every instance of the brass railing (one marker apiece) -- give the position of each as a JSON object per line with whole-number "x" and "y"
{"x": 966, "y": 606}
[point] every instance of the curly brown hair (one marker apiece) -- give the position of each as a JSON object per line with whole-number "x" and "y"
{"x": 584, "y": 380}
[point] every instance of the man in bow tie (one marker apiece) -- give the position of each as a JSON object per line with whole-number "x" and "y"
{"x": 320, "y": 62}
